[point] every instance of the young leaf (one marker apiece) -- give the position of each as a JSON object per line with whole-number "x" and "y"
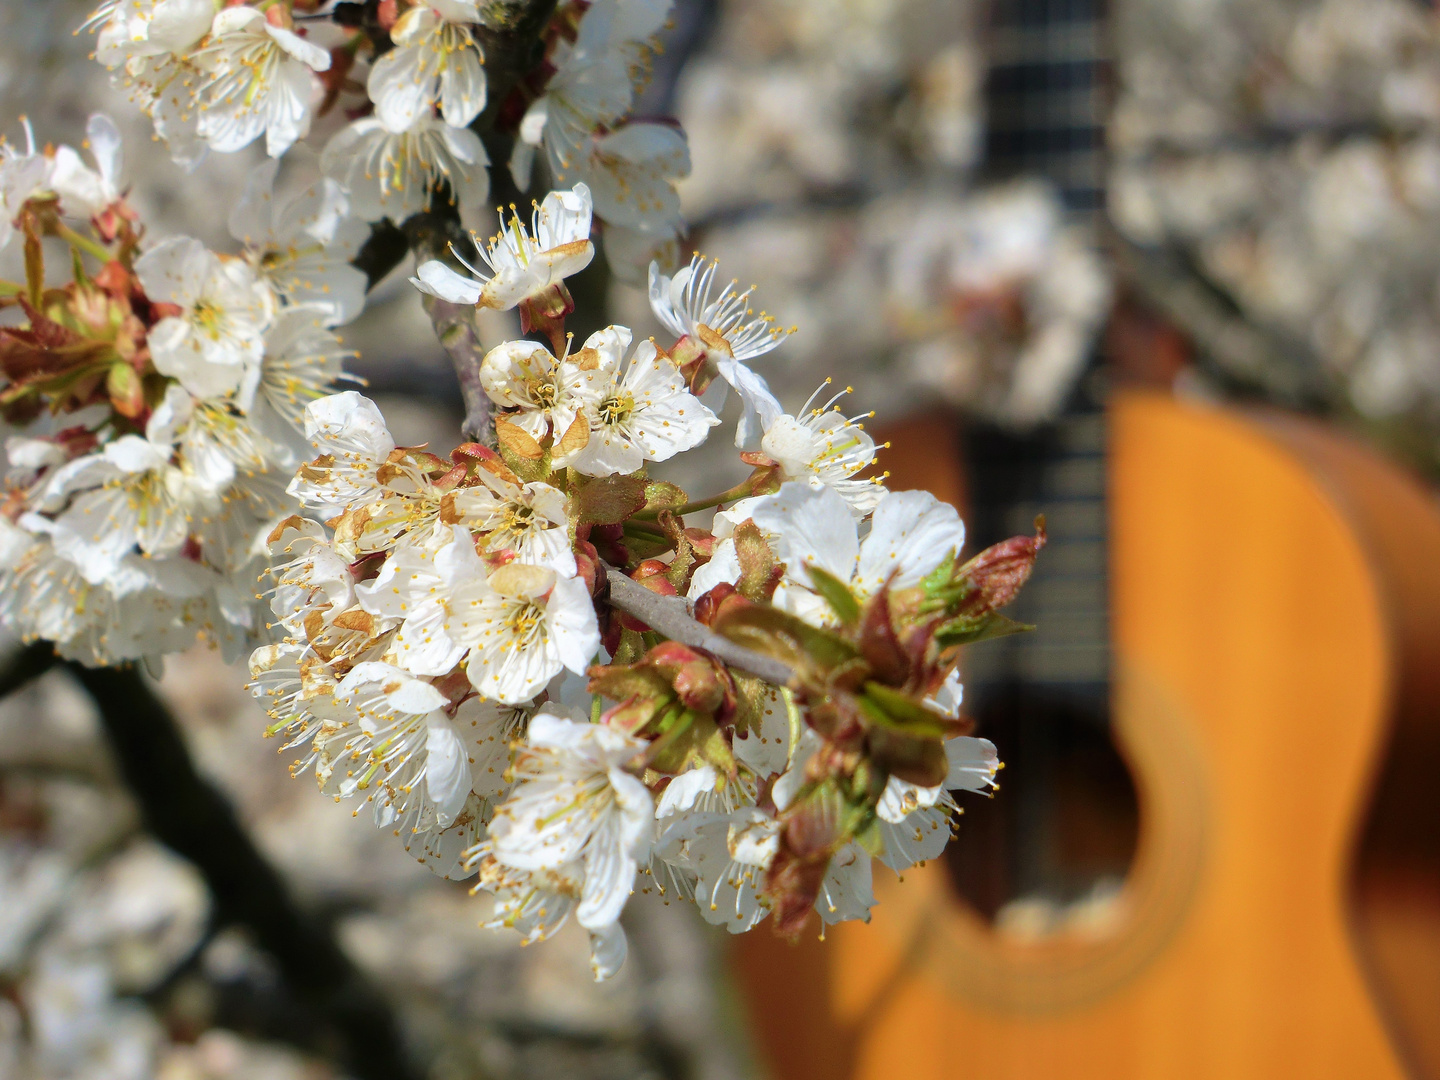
{"x": 966, "y": 629}
{"x": 517, "y": 440}
{"x": 760, "y": 571}
{"x": 837, "y": 594}
{"x": 607, "y": 500}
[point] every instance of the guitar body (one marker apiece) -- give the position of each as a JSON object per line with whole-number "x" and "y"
{"x": 1275, "y": 608}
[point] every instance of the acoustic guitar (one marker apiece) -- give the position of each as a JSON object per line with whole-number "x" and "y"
{"x": 1275, "y": 682}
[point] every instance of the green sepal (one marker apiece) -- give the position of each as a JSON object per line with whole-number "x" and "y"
{"x": 966, "y": 629}
{"x": 837, "y": 594}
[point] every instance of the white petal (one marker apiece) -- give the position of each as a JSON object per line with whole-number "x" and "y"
{"x": 437, "y": 279}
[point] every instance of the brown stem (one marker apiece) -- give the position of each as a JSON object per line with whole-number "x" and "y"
{"x": 455, "y": 327}
{"x": 670, "y": 616}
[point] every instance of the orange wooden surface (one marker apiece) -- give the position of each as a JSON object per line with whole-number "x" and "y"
{"x": 1255, "y": 677}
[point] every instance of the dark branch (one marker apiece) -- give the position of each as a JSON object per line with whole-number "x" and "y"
{"x": 670, "y": 616}
{"x": 188, "y": 814}
{"x": 25, "y": 665}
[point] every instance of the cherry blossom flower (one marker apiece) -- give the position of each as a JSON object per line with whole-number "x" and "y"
{"x": 435, "y": 58}
{"x": 523, "y": 264}
{"x": 543, "y": 391}
{"x": 522, "y": 625}
{"x": 528, "y": 519}
{"x": 301, "y": 364}
{"x": 723, "y": 329}
{"x": 409, "y": 756}
{"x": 301, "y": 241}
{"x": 825, "y": 448}
{"x": 219, "y": 334}
{"x": 147, "y": 45}
{"x": 575, "y": 811}
{"x": 392, "y": 173}
{"x": 353, "y": 442}
{"x": 911, "y": 533}
{"x": 259, "y": 79}
{"x": 643, "y": 413}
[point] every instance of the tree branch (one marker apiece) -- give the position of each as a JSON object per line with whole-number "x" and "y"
{"x": 189, "y": 815}
{"x": 455, "y": 327}
{"x": 670, "y": 615}
{"x": 25, "y": 665}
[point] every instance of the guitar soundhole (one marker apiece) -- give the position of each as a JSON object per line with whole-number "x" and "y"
{"x": 1050, "y": 853}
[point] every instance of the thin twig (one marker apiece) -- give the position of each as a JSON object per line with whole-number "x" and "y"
{"x": 670, "y": 616}
{"x": 189, "y": 815}
{"x": 455, "y": 327}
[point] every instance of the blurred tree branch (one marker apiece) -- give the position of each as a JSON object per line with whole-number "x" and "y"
{"x": 188, "y": 814}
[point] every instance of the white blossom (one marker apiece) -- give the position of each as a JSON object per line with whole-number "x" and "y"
{"x": 391, "y": 174}
{"x": 522, "y": 625}
{"x": 353, "y": 442}
{"x": 523, "y": 264}
{"x": 301, "y": 363}
{"x": 259, "y": 79}
{"x": 825, "y": 448}
{"x": 411, "y": 754}
{"x": 528, "y": 519}
{"x": 911, "y": 533}
{"x": 643, "y": 413}
{"x": 435, "y": 58}
{"x": 728, "y": 331}
{"x": 525, "y": 376}
{"x": 219, "y": 335}
{"x": 301, "y": 241}
{"x": 575, "y": 807}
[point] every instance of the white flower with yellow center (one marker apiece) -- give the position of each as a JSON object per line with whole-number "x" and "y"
{"x": 528, "y": 519}
{"x": 218, "y": 337}
{"x": 526, "y": 377}
{"x": 142, "y": 501}
{"x": 410, "y": 755}
{"x": 825, "y": 448}
{"x": 302, "y": 362}
{"x": 413, "y": 589}
{"x": 537, "y": 903}
{"x": 523, "y": 263}
{"x": 576, "y": 807}
{"x": 300, "y": 237}
{"x": 392, "y": 173}
{"x": 147, "y": 44}
{"x": 350, "y": 436}
{"x": 721, "y": 324}
{"x": 643, "y": 413}
{"x": 522, "y": 626}
{"x": 259, "y": 79}
{"x": 729, "y": 854}
{"x": 435, "y": 58}
{"x": 910, "y": 534}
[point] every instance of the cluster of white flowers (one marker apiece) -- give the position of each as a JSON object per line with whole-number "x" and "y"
{"x": 438, "y": 612}
{"x": 221, "y": 77}
{"x": 436, "y": 617}
{"x": 175, "y": 379}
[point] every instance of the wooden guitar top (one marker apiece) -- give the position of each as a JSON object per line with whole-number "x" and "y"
{"x": 1275, "y": 600}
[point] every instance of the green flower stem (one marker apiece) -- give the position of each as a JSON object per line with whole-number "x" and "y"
{"x": 84, "y": 243}
{"x": 740, "y": 491}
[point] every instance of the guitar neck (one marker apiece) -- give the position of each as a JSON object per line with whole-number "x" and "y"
{"x": 1045, "y": 106}
{"x": 1046, "y": 97}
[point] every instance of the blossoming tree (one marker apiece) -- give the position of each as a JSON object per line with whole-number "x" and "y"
{"x": 537, "y": 664}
